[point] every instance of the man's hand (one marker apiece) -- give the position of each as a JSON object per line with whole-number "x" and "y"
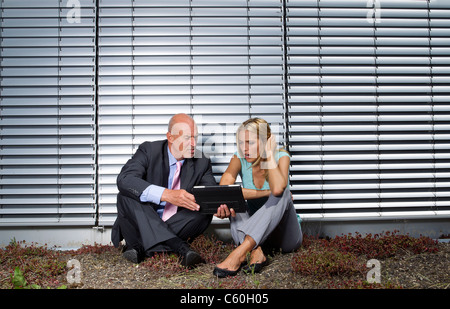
{"x": 223, "y": 212}
{"x": 180, "y": 198}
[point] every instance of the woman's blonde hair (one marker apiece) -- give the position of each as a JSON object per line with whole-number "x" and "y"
{"x": 261, "y": 128}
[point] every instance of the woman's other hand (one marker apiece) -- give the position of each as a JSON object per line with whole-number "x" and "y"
{"x": 224, "y": 212}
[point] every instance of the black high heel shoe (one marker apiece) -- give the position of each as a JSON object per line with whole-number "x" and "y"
{"x": 254, "y": 268}
{"x": 223, "y": 273}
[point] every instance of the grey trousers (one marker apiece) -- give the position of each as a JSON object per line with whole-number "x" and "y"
{"x": 275, "y": 224}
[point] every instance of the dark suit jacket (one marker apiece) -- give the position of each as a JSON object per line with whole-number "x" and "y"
{"x": 150, "y": 165}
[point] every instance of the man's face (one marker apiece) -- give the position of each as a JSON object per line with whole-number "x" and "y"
{"x": 183, "y": 140}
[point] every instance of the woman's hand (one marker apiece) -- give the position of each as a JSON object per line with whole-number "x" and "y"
{"x": 271, "y": 146}
{"x": 223, "y": 212}
{"x": 269, "y": 161}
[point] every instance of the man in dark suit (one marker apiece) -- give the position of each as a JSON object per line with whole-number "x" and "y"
{"x": 145, "y": 190}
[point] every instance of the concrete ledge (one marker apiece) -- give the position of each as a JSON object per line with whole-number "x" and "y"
{"x": 414, "y": 227}
{"x": 65, "y": 237}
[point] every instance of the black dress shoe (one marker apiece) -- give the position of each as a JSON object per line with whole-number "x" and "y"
{"x": 132, "y": 255}
{"x": 188, "y": 257}
{"x": 222, "y": 273}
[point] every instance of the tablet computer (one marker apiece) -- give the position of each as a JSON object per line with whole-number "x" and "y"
{"x": 211, "y": 197}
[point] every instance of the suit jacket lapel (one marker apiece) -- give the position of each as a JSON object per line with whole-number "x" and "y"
{"x": 187, "y": 170}
{"x": 165, "y": 167}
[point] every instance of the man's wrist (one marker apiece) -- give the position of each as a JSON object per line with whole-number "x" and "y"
{"x": 153, "y": 194}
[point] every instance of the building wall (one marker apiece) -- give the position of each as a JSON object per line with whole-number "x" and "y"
{"x": 357, "y": 91}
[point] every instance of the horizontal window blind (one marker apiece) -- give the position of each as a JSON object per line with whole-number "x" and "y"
{"x": 368, "y": 95}
{"x": 222, "y": 62}
{"x": 363, "y": 86}
{"x": 47, "y": 113}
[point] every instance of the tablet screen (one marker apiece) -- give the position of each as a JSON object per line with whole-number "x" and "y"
{"x": 211, "y": 197}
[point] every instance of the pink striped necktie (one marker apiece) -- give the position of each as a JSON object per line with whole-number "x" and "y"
{"x": 170, "y": 209}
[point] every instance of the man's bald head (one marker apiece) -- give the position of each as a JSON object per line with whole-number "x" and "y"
{"x": 182, "y": 136}
{"x": 180, "y": 118}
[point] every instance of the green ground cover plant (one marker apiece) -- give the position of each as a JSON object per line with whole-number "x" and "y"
{"x": 336, "y": 263}
{"x": 36, "y": 265}
{"x": 346, "y": 255}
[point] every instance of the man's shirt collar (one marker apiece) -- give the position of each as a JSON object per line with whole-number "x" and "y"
{"x": 172, "y": 159}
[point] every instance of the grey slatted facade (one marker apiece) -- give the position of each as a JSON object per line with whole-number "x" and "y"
{"x": 47, "y": 115}
{"x": 357, "y": 90}
{"x": 369, "y": 108}
{"x": 222, "y": 62}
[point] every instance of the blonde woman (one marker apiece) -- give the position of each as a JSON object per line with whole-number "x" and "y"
{"x": 270, "y": 218}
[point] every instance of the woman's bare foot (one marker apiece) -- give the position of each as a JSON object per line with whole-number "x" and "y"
{"x": 257, "y": 256}
{"x": 232, "y": 262}
{"x": 237, "y": 256}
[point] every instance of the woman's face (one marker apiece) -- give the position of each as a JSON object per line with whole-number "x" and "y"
{"x": 248, "y": 145}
